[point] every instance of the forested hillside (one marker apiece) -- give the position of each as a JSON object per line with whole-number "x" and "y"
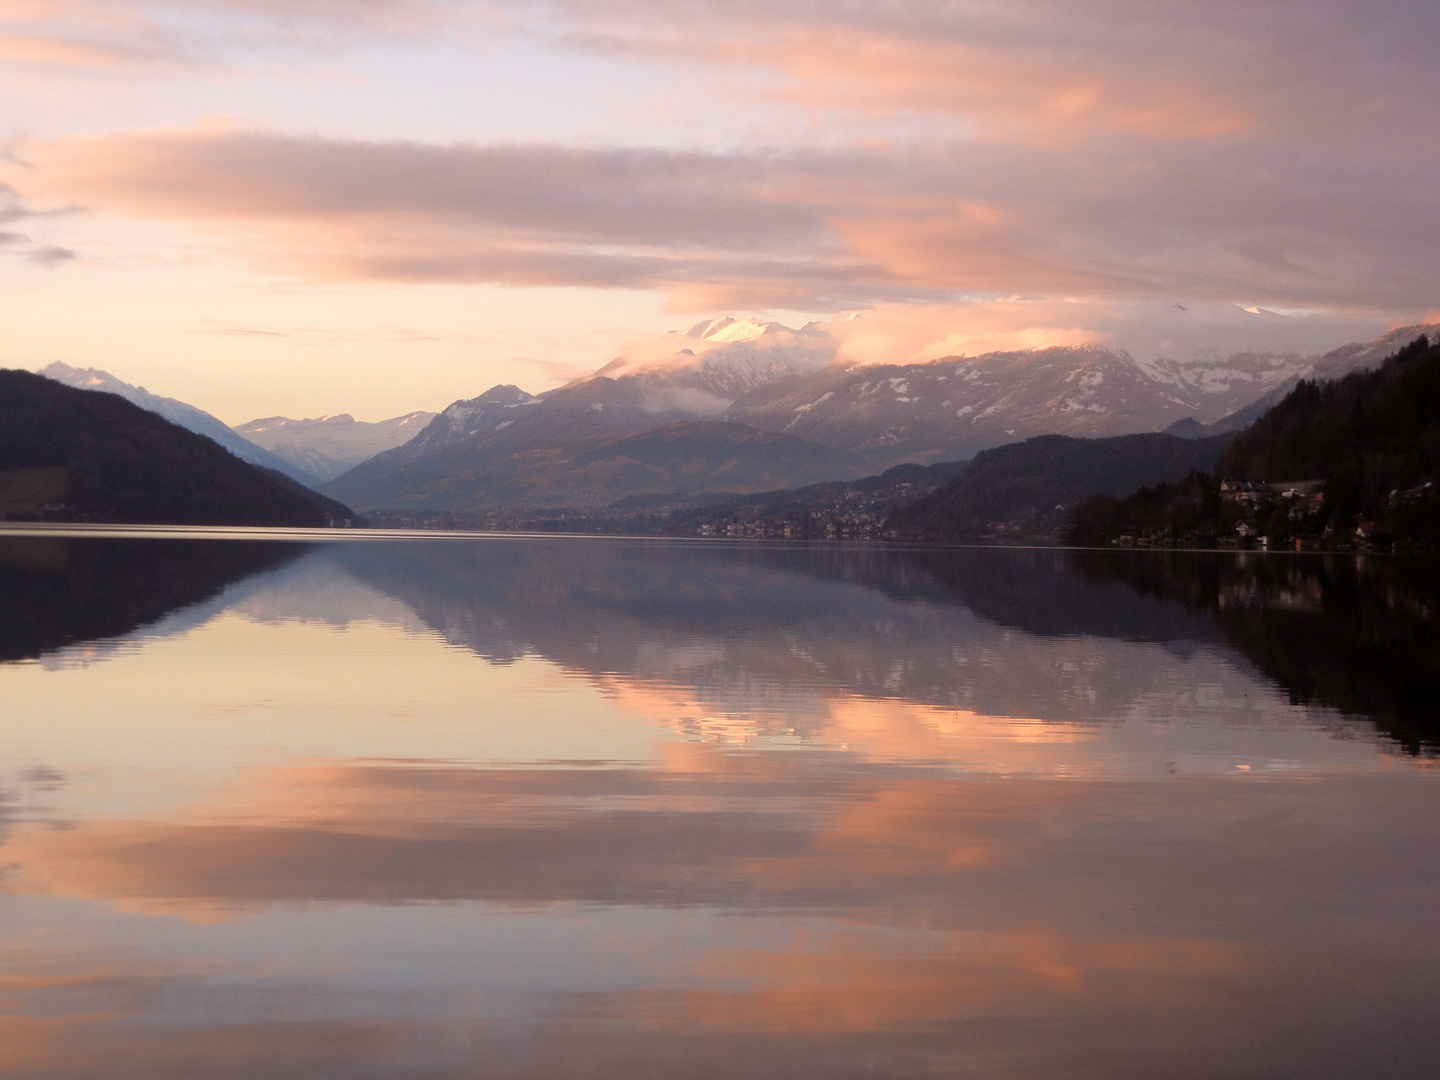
{"x": 1352, "y": 461}
{"x": 82, "y": 455}
{"x": 1029, "y": 488}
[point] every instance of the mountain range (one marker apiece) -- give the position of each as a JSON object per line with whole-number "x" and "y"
{"x": 954, "y": 407}
{"x": 178, "y": 412}
{"x": 310, "y": 451}
{"x": 735, "y": 407}
{"x": 326, "y": 446}
{"x": 587, "y": 445}
{"x": 507, "y": 447}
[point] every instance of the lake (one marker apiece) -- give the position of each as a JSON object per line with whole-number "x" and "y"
{"x": 585, "y": 808}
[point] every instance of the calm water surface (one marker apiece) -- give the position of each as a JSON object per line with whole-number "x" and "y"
{"x": 607, "y": 809}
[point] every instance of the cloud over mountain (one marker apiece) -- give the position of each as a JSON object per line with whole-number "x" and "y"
{"x": 982, "y": 176}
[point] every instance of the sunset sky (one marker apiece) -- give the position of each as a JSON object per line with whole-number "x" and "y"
{"x": 312, "y": 206}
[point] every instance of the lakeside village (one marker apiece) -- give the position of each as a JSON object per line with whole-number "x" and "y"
{"x": 837, "y": 510}
{"x": 850, "y": 518}
{"x": 1288, "y": 514}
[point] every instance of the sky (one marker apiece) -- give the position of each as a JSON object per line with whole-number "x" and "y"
{"x": 372, "y": 206}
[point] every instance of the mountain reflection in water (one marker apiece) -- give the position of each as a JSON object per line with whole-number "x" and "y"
{"x": 58, "y": 591}
{"x": 582, "y": 808}
{"x": 1361, "y": 635}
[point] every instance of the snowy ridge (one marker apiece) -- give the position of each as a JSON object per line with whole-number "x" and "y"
{"x": 178, "y": 412}
{"x": 728, "y": 353}
{"x": 330, "y": 445}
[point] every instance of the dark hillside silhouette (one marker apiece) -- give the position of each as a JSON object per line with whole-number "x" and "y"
{"x": 60, "y": 591}
{"x": 1353, "y": 461}
{"x": 81, "y": 455}
{"x": 1029, "y": 486}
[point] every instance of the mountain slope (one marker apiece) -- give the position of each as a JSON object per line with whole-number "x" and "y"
{"x": 77, "y": 455}
{"x": 1352, "y": 460}
{"x": 1332, "y": 365}
{"x": 702, "y": 370}
{"x": 853, "y": 509}
{"x": 327, "y": 446}
{"x": 177, "y": 412}
{"x": 957, "y": 406}
{"x": 600, "y": 468}
{"x": 783, "y": 381}
{"x": 1027, "y": 486}
{"x": 471, "y": 439}
{"x": 1368, "y": 434}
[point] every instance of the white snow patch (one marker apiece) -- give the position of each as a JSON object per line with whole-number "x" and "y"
{"x": 806, "y": 408}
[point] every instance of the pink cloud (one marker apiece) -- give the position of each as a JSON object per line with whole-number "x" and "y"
{"x": 1038, "y": 95}
{"x": 1318, "y": 73}
{"x": 139, "y": 34}
{"x": 765, "y": 229}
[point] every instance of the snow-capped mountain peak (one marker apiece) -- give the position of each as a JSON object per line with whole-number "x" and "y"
{"x": 720, "y": 359}
{"x": 177, "y": 412}
{"x": 727, "y": 329}
{"x": 330, "y": 445}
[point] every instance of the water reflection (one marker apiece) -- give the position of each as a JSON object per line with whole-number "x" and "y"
{"x": 1361, "y": 635}
{"x": 1358, "y": 636}
{"x": 56, "y": 591}
{"x": 583, "y": 809}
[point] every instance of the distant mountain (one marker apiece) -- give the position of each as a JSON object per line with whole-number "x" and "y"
{"x": 488, "y": 413}
{"x": 1369, "y": 355}
{"x": 690, "y": 375}
{"x": 1350, "y": 461}
{"x": 1030, "y": 488}
{"x": 1239, "y": 420}
{"x": 952, "y": 408}
{"x": 595, "y": 468}
{"x": 1331, "y": 365}
{"x": 178, "y": 412}
{"x": 957, "y": 406}
{"x": 327, "y": 446}
{"x": 77, "y": 455}
{"x": 701, "y": 371}
{"x": 470, "y": 456}
{"x": 772, "y": 378}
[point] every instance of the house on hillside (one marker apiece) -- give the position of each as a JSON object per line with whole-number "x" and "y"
{"x": 32, "y": 493}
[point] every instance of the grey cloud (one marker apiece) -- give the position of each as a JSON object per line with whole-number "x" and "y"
{"x": 629, "y": 218}
{"x": 1253, "y": 48}
{"x": 1281, "y": 153}
{"x": 50, "y": 255}
{"x": 721, "y": 280}
{"x": 629, "y": 196}
{"x": 146, "y": 35}
{"x": 14, "y": 208}
{"x": 1312, "y": 69}
{"x": 1244, "y": 221}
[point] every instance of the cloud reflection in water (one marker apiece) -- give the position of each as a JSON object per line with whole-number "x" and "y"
{"x": 876, "y": 834}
